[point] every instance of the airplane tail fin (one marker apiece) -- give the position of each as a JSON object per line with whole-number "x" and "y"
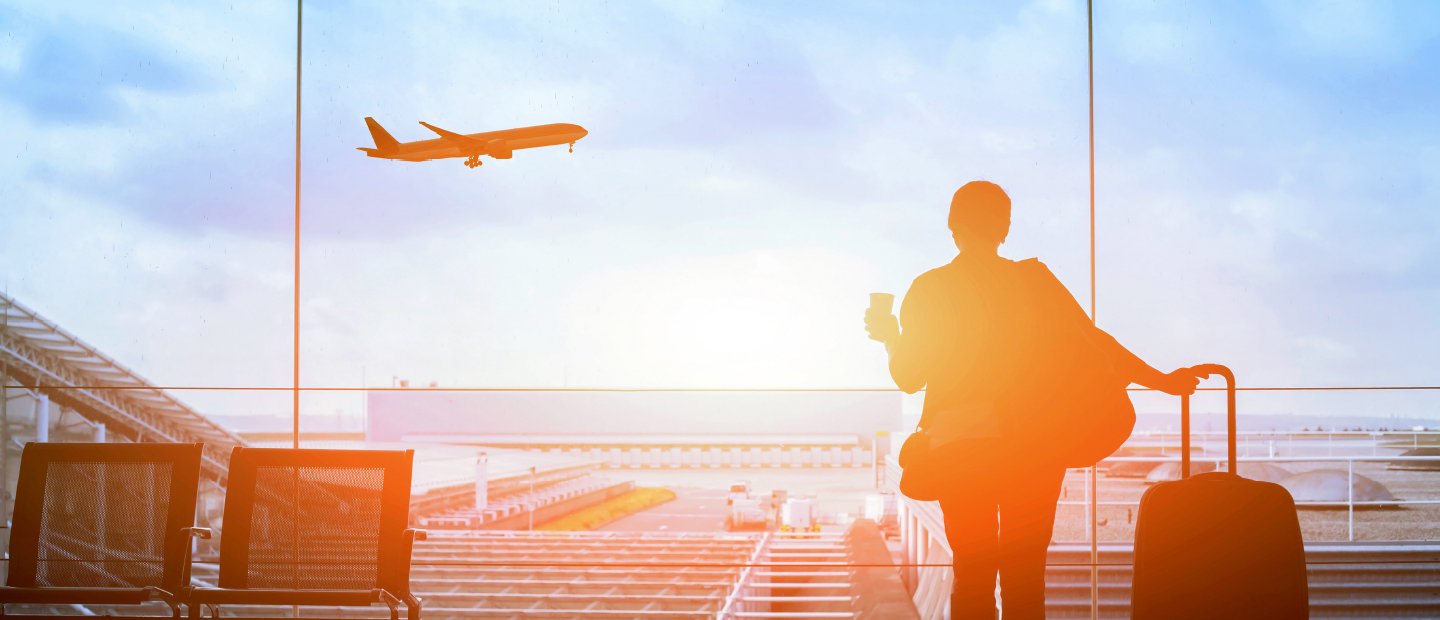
{"x": 384, "y": 142}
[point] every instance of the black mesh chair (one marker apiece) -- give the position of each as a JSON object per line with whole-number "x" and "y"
{"x": 315, "y": 527}
{"x": 102, "y": 524}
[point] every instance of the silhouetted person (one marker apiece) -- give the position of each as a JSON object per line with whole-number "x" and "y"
{"x": 970, "y": 338}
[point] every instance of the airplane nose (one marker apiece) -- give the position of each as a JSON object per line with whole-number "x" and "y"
{"x": 580, "y": 132}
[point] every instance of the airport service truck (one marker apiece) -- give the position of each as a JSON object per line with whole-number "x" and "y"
{"x": 740, "y": 489}
{"x": 746, "y": 513}
{"x": 800, "y": 514}
{"x": 743, "y": 509}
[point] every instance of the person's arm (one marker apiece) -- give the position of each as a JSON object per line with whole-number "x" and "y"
{"x": 1127, "y": 364}
{"x": 910, "y": 340}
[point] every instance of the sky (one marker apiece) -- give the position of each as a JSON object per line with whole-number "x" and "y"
{"x": 1267, "y": 187}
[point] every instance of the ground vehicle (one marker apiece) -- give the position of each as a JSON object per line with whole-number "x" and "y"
{"x": 777, "y": 502}
{"x": 884, "y": 511}
{"x": 745, "y": 512}
{"x": 740, "y": 489}
{"x": 799, "y": 514}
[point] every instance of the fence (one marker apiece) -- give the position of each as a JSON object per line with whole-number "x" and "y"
{"x": 926, "y": 553}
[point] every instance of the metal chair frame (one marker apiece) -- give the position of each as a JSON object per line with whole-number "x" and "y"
{"x": 35, "y": 462}
{"x": 395, "y": 544}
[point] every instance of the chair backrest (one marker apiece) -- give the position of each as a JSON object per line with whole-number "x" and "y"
{"x": 103, "y": 515}
{"x": 316, "y": 520}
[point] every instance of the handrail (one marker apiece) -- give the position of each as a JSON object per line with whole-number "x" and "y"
{"x": 351, "y": 388}
{"x": 743, "y": 581}
{"x": 1272, "y": 459}
{"x": 935, "y": 524}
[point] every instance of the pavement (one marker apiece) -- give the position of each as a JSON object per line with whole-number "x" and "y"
{"x": 692, "y": 510}
{"x": 699, "y": 504}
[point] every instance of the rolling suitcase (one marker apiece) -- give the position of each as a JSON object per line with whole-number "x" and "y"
{"x": 1216, "y": 545}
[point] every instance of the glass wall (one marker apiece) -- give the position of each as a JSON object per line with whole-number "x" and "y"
{"x": 650, "y": 331}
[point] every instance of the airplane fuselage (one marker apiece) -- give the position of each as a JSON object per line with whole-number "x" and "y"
{"x": 498, "y": 144}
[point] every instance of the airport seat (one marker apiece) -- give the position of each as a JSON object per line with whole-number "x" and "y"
{"x": 315, "y": 527}
{"x": 102, "y": 524}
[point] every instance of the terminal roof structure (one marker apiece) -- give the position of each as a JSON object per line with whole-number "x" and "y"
{"x": 55, "y": 363}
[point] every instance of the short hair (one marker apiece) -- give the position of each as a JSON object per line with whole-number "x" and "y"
{"x": 981, "y": 209}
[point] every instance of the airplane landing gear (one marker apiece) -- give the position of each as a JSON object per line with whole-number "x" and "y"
{"x": 473, "y": 161}
{"x": 572, "y": 147}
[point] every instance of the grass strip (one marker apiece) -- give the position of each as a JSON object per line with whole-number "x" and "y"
{"x": 609, "y": 510}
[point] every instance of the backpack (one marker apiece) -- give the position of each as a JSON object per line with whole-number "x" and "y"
{"x": 1075, "y": 407}
{"x": 1063, "y": 404}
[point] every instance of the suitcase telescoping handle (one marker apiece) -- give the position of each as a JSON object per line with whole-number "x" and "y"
{"x": 1204, "y": 371}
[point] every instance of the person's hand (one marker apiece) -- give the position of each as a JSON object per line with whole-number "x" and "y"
{"x": 882, "y": 327}
{"x": 1179, "y": 382}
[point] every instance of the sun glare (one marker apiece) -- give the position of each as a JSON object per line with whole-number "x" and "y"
{"x": 749, "y": 320}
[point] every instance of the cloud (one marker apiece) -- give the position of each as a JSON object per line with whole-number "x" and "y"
{"x": 760, "y": 163}
{"x": 1373, "y": 31}
{"x": 85, "y": 72}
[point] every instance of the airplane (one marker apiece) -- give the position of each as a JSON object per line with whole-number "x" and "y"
{"x": 498, "y": 144}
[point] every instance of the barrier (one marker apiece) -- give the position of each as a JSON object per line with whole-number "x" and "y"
{"x": 1347, "y": 578}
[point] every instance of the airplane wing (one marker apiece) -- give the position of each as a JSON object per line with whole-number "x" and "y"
{"x": 459, "y": 139}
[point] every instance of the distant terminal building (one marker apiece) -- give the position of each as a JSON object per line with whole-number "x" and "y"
{"x": 648, "y": 429}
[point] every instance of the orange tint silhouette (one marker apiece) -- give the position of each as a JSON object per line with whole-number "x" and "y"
{"x": 498, "y": 144}
{"x": 113, "y": 524}
{"x": 1217, "y": 545}
{"x": 1009, "y": 362}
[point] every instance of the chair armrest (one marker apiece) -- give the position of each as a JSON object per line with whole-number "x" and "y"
{"x": 196, "y": 533}
{"x": 158, "y": 593}
{"x": 412, "y": 602}
{"x": 411, "y": 535}
{"x": 168, "y": 598}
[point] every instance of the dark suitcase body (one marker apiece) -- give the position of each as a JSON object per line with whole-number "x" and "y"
{"x": 1217, "y": 545}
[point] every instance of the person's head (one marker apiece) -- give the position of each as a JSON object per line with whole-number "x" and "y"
{"x": 980, "y": 216}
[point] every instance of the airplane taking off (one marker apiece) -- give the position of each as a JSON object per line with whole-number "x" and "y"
{"x": 498, "y": 144}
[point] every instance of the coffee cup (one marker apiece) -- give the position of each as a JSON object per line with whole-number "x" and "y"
{"x": 882, "y": 303}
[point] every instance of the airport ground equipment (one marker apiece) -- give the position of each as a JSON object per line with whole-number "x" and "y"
{"x": 884, "y": 510}
{"x": 777, "y": 504}
{"x": 1216, "y": 545}
{"x": 102, "y": 524}
{"x": 742, "y": 509}
{"x": 746, "y": 512}
{"x": 800, "y": 514}
{"x": 739, "y": 489}
{"x": 316, "y": 527}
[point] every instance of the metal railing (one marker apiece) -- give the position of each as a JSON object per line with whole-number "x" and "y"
{"x": 1349, "y": 504}
{"x": 927, "y": 554}
{"x": 735, "y": 602}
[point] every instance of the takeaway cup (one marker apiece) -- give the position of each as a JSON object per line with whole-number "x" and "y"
{"x": 881, "y": 304}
